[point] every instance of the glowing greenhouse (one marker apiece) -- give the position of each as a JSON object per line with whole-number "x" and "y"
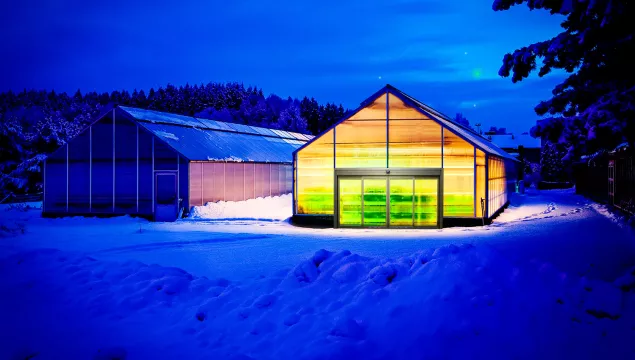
{"x": 395, "y": 162}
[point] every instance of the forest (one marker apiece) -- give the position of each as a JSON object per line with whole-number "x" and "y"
{"x": 35, "y": 123}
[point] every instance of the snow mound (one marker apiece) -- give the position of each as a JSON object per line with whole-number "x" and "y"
{"x": 274, "y": 208}
{"x": 453, "y": 302}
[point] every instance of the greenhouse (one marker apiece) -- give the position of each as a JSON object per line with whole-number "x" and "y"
{"x": 397, "y": 163}
{"x": 157, "y": 165}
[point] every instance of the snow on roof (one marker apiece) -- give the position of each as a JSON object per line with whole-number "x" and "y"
{"x": 210, "y": 140}
{"x": 509, "y": 141}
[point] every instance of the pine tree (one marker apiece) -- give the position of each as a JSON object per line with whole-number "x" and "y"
{"x": 551, "y": 165}
{"x": 593, "y": 108}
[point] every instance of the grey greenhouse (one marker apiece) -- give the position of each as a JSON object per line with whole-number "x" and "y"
{"x": 157, "y": 165}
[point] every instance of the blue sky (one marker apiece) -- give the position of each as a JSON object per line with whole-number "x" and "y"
{"x": 445, "y": 53}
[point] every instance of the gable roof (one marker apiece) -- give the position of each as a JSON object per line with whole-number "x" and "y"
{"x": 209, "y": 140}
{"x": 462, "y": 131}
{"x": 509, "y": 141}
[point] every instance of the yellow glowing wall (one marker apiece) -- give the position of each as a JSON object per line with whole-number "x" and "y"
{"x": 497, "y": 184}
{"x": 458, "y": 176}
{"x": 481, "y": 179}
{"x": 414, "y": 139}
{"x": 360, "y": 141}
{"x": 315, "y": 177}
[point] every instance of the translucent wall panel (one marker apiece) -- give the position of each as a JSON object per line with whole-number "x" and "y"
{"x": 196, "y": 184}
{"x": 315, "y": 177}
{"x": 481, "y": 178}
{"x": 79, "y": 173}
{"x": 397, "y": 109}
{"x": 497, "y": 185}
{"x": 426, "y": 206}
{"x": 361, "y": 140}
{"x": 55, "y": 182}
{"x": 125, "y": 166}
{"x": 146, "y": 179}
{"x": 275, "y": 180}
{"x": 374, "y": 111}
{"x": 360, "y": 144}
{"x": 248, "y": 173}
{"x": 165, "y": 158}
{"x": 102, "y": 174}
{"x": 414, "y": 144}
{"x": 458, "y": 176}
{"x": 210, "y": 182}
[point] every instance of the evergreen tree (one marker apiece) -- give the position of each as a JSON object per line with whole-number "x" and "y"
{"x": 592, "y": 109}
{"x": 551, "y": 164}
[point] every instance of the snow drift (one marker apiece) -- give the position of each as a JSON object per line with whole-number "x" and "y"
{"x": 268, "y": 208}
{"x": 453, "y": 302}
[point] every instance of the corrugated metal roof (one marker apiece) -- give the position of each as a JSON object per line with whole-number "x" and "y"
{"x": 204, "y": 139}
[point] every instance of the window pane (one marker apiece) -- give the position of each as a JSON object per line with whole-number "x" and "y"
{"x": 458, "y": 176}
{"x": 102, "y": 176}
{"x": 315, "y": 177}
{"x": 376, "y": 110}
{"x": 497, "y": 184}
{"x": 166, "y": 189}
{"x": 360, "y": 143}
{"x": 397, "y": 109}
{"x": 414, "y": 143}
{"x": 79, "y": 173}
{"x": 401, "y": 202}
{"x": 480, "y": 183}
{"x": 125, "y": 166}
{"x": 55, "y": 182}
{"x": 146, "y": 177}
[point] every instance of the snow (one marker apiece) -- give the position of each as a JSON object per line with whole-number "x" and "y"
{"x": 552, "y": 277}
{"x": 268, "y": 208}
{"x": 167, "y": 135}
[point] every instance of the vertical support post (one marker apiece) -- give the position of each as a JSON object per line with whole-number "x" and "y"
{"x": 254, "y": 177}
{"x": 486, "y": 214}
{"x": 113, "y": 160}
{"x": 67, "y": 167}
{"x": 475, "y": 175}
{"x": 414, "y": 180}
{"x": 387, "y": 129}
{"x": 44, "y": 188}
{"x": 137, "y": 168}
{"x": 90, "y": 170}
{"x": 202, "y": 178}
{"x": 270, "y": 180}
{"x": 178, "y": 184}
{"x": 152, "y": 186}
{"x": 224, "y": 182}
{"x": 244, "y": 181}
{"x": 442, "y": 146}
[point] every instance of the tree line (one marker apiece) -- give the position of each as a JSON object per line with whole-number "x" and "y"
{"x": 34, "y": 123}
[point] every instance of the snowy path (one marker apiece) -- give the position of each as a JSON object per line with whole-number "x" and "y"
{"x": 553, "y": 226}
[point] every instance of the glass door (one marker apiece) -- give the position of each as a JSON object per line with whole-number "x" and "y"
{"x": 426, "y": 202}
{"x": 401, "y": 202}
{"x": 374, "y": 202}
{"x": 350, "y": 202}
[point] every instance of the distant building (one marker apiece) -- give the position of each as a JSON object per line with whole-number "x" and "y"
{"x": 518, "y": 145}
{"x": 157, "y": 165}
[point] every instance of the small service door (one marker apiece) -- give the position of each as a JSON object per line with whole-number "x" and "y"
{"x": 166, "y": 201}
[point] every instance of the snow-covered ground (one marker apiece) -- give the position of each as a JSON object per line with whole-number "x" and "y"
{"x": 552, "y": 277}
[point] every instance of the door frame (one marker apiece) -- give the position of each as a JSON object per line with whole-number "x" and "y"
{"x": 361, "y": 173}
{"x": 158, "y": 173}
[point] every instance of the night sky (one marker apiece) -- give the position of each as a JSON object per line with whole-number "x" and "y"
{"x": 445, "y": 53}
